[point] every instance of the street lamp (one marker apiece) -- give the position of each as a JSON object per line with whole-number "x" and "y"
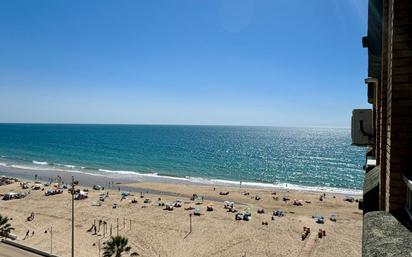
{"x": 51, "y": 238}
{"x": 73, "y": 184}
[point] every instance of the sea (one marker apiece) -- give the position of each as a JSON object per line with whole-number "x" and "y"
{"x": 297, "y": 158}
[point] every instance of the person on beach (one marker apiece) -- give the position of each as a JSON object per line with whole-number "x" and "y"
{"x": 27, "y": 234}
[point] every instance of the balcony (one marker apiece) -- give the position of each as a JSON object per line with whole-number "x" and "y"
{"x": 383, "y": 235}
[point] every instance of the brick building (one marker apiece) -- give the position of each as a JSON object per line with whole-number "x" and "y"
{"x": 387, "y": 201}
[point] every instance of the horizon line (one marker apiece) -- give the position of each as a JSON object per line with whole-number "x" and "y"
{"x": 168, "y": 124}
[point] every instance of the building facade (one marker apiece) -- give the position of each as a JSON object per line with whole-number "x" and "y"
{"x": 387, "y": 202}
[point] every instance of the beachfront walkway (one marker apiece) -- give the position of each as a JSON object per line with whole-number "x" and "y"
{"x": 10, "y": 251}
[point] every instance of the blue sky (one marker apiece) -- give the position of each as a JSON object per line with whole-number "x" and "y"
{"x": 239, "y": 62}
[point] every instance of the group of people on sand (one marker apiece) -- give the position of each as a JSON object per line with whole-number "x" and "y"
{"x": 28, "y": 234}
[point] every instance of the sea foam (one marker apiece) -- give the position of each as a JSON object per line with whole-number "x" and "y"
{"x": 154, "y": 176}
{"x": 40, "y": 162}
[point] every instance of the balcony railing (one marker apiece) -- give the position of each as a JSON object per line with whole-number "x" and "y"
{"x": 408, "y": 202}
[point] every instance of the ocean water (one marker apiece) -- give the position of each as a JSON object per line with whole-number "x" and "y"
{"x": 294, "y": 157}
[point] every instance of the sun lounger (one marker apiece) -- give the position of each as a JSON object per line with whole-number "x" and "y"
{"x": 321, "y": 233}
{"x": 96, "y": 204}
{"x": 11, "y": 236}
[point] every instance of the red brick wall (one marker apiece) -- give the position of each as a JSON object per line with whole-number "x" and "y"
{"x": 399, "y": 100}
{"x": 382, "y": 109}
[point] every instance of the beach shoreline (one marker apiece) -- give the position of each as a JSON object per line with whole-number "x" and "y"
{"x": 103, "y": 178}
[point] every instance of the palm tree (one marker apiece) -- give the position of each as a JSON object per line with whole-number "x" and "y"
{"x": 116, "y": 246}
{"x": 5, "y": 227}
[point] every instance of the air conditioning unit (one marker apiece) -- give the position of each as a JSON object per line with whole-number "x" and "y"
{"x": 362, "y": 127}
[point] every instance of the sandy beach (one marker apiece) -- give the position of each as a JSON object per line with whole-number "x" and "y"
{"x": 153, "y": 231}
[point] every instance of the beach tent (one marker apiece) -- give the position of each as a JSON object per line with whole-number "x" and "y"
{"x": 96, "y": 204}
{"x": 102, "y": 197}
{"x": 49, "y": 192}
{"x": 37, "y": 186}
{"x": 228, "y": 204}
{"x": 319, "y": 218}
{"x": 247, "y": 214}
{"x": 97, "y": 187}
{"x": 349, "y": 198}
{"x": 177, "y": 203}
{"x": 9, "y": 196}
{"x": 198, "y": 199}
{"x": 169, "y": 206}
{"x": 80, "y": 195}
{"x": 20, "y": 195}
{"x": 278, "y": 212}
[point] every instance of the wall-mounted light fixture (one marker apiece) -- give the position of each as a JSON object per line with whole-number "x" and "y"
{"x": 365, "y": 42}
{"x": 372, "y": 84}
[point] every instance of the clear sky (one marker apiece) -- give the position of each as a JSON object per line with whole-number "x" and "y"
{"x": 239, "y": 62}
